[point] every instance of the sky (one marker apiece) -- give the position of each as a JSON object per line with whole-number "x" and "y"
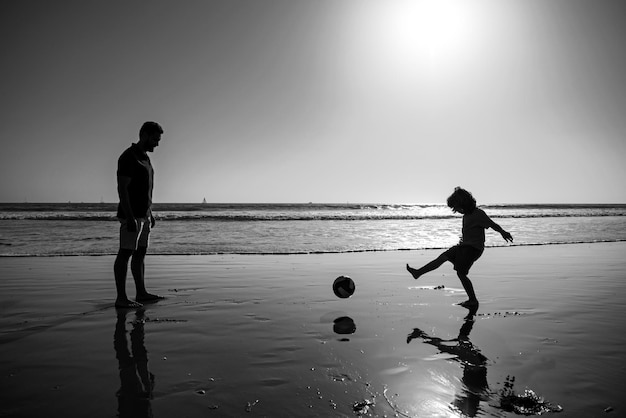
{"x": 377, "y": 101}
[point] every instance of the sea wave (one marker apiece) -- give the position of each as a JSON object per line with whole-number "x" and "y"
{"x": 297, "y": 212}
{"x": 264, "y": 217}
{"x": 297, "y": 229}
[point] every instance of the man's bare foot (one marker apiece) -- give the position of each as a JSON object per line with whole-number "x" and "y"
{"x": 148, "y": 297}
{"x": 469, "y": 304}
{"x": 127, "y": 304}
{"x": 415, "y": 273}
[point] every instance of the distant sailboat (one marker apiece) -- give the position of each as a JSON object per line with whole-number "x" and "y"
{"x": 204, "y": 201}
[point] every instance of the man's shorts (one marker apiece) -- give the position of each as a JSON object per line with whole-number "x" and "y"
{"x": 462, "y": 257}
{"x": 139, "y": 238}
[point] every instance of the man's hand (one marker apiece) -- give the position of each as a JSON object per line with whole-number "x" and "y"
{"x": 152, "y": 221}
{"x": 131, "y": 225}
{"x": 507, "y": 237}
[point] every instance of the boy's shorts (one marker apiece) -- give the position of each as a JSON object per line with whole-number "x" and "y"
{"x": 462, "y": 257}
{"x": 139, "y": 238}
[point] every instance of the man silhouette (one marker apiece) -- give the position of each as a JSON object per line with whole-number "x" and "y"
{"x": 134, "y": 186}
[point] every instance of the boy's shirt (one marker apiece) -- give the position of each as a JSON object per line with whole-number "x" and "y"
{"x": 474, "y": 225}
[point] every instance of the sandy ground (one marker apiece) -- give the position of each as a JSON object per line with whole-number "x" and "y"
{"x": 265, "y": 336}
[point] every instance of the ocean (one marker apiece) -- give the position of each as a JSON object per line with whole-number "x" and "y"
{"x": 69, "y": 229}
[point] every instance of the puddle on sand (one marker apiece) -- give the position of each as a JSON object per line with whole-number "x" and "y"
{"x": 527, "y": 403}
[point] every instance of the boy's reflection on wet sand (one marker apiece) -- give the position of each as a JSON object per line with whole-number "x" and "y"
{"x": 475, "y": 387}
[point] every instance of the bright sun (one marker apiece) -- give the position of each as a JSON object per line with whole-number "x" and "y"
{"x": 405, "y": 38}
{"x": 430, "y": 30}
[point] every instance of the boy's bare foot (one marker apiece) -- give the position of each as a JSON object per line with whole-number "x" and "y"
{"x": 469, "y": 304}
{"x": 414, "y": 272}
{"x": 417, "y": 333}
{"x": 127, "y": 304}
{"x": 148, "y": 297}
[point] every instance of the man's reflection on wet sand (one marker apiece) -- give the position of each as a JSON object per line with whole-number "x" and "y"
{"x": 475, "y": 387}
{"x": 136, "y": 381}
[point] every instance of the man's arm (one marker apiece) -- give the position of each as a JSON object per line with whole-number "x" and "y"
{"x": 152, "y": 220}
{"x": 122, "y": 190}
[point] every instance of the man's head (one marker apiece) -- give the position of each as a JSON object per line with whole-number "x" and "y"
{"x": 150, "y": 135}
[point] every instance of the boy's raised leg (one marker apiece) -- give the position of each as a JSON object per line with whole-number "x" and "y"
{"x": 433, "y": 265}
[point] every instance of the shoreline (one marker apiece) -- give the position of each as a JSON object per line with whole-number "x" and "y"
{"x": 200, "y": 254}
{"x": 263, "y": 335}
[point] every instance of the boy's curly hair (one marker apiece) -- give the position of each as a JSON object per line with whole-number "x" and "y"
{"x": 463, "y": 199}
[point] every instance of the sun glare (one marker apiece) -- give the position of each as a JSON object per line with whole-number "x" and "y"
{"x": 435, "y": 30}
{"x": 416, "y": 38}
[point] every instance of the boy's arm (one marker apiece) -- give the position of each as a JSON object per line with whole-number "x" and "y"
{"x": 507, "y": 237}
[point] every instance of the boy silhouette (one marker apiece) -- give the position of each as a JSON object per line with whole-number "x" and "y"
{"x": 471, "y": 246}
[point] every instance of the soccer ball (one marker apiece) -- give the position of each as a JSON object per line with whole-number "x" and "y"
{"x": 343, "y": 287}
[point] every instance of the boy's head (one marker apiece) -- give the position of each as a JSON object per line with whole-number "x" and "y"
{"x": 462, "y": 201}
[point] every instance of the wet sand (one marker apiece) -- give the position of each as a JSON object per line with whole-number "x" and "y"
{"x": 265, "y": 336}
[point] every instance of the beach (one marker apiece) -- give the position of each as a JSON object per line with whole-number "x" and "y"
{"x": 263, "y": 335}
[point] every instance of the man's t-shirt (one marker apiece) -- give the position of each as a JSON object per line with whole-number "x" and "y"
{"x": 135, "y": 164}
{"x": 474, "y": 225}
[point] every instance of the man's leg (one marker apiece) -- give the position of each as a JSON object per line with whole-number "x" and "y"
{"x": 433, "y": 265}
{"x": 137, "y": 267}
{"x": 120, "y": 269}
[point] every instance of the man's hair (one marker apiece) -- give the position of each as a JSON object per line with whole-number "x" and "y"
{"x": 149, "y": 128}
{"x": 463, "y": 199}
